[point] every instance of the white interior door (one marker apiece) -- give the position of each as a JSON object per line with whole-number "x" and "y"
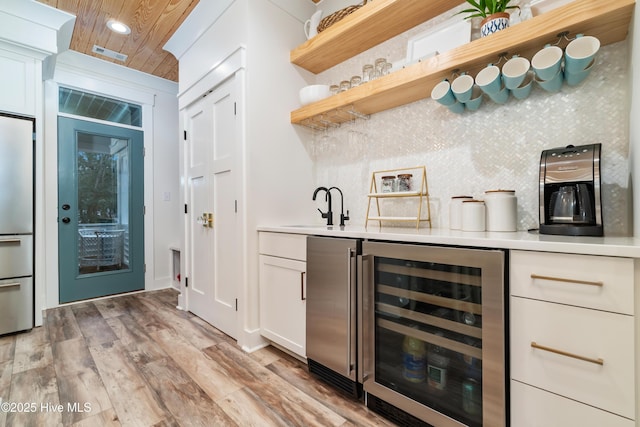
{"x": 213, "y": 228}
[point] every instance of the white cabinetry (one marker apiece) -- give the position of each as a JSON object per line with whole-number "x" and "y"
{"x": 18, "y": 85}
{"x": 283, "y": 290}
{"x": 573, "y": 348}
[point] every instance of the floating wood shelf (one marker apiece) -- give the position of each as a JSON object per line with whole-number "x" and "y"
{"x": 608, "y": 21}
{"x": 369, "y": 26}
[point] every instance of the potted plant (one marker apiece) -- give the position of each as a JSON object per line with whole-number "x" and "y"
{"x": 493, "y": 12}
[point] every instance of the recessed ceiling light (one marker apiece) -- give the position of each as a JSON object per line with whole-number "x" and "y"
{"x": 118, "y": 27}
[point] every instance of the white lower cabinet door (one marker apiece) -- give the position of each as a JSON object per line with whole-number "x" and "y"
{"x": 283, "y": 289}
{"x": 532, "y": 407}
{"x": 583, "y": 354}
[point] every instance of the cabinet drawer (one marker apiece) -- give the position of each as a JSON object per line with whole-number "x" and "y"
{"x": 579, "y": 331}
{"x": 16, "y": 256}
{"x": 604, "y": 283}
{"x": 532, "y": 407}
{"x": 283, "y": 245}
{"x": 16, "y": 304}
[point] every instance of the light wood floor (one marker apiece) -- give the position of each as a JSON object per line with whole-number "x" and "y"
{"x": 135, "y": 360}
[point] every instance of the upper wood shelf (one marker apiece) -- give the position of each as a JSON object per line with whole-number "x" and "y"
{"x": 606, "y": 20}
{"x": 368, "y": 26}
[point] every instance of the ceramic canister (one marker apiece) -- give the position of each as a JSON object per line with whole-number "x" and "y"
{"x": 473, "y": 215}
{"x": 455, "y": 211}
{"x": 501, "y": 210}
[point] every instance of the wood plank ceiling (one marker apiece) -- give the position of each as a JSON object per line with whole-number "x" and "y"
{"x": 152, "y": 23}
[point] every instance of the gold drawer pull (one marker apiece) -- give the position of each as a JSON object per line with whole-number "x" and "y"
{"x": 560, "y": 279}
{"x": 10, "y": 285}
{"x": 597, "y": 361}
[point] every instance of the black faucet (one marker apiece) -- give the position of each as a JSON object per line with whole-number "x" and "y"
{"x": 329, "y": 214}
{"x": 343, "y": 217}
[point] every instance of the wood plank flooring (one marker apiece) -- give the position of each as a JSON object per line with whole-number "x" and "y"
{"x": 136, "y": 360}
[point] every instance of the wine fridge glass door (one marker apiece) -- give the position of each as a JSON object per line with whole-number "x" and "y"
{"x": 436, "y": 322}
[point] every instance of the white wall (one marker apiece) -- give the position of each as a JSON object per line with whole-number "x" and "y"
{"x": 278, "y": 170}
{"x": 160, "y": 125}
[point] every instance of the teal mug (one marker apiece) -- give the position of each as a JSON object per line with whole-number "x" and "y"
{"x": 523, "y": 91}
{"x": 476, "y": 99}
{"x": 442, "y": 93}
{"x": 462, "y": 87}
{"x": 580, "y": 52}
{"x": 514, "y": 71}
{"x": 554, "y": 84}
{"x": 501, "y": 96}
{"x": 547, "y": 62}
{"x": 489, "y": 79}
{"x": 574, "y": 79}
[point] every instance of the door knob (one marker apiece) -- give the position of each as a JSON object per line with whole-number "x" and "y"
{"x": 66, "y": 207}
{"x": 66, "y": 220}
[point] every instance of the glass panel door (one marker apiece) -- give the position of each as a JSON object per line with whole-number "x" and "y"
{"x": 433, "y": 336}
{"x": 428, "y": 335}
{"x": 100, "y": 212}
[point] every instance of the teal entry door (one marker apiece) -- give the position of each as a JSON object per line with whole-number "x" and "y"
{"x": 100, "y": 209}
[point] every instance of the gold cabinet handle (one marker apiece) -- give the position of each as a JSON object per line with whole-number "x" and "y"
{"x": 561, "y": 279}
{"x": 10, "y": 285}
{"x": 597, "y": 361}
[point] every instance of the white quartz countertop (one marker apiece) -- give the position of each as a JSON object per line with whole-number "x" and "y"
{"x": 521, "y": 240}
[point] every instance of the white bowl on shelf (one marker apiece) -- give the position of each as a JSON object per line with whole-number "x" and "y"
{"x": 313, "y": 93}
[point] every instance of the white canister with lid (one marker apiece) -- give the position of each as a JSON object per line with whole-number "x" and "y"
{"x": 473, "y": 215}
{"x": 455, "y": 211}
{"x": 501, "y": 206}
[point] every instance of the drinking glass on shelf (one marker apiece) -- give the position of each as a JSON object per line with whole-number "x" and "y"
{"x": 345, "y": 85}
{"x": 334, "y": 89}
{"x": 379, "y": 67}
{"x": 355, "y": 81}
{"x": 367, "y": 73}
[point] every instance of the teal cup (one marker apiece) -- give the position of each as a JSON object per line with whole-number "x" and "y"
{"x": 547, "y": 62}
{"x": 476, "y": 99}
{"x": 457, "y": 107}
{"x": 574, "y": 79}
{"x": 442, "y": 93}
{"x": 514, "y": 71}
{"x": 580, "y": 52}
{"x": 501, "y": 96}
{"x": 489, "y": 79}
{"x": 553, "y": 84}
{"x": 523, "y": 91}
{"x": 462, "y": 87}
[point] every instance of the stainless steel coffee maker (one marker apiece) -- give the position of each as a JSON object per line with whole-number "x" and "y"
{"x": 570, "y": 202}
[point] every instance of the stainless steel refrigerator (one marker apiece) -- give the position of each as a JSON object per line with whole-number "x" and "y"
{"x": 16, "y": 223}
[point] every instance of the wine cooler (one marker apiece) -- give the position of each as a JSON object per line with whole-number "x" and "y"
{"x": 433, "y": 334}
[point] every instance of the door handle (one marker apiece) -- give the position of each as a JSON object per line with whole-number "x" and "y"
{"x": 66, "y": 207}
{"x": 66, "y": 220}
{"x": 206, "y": 220}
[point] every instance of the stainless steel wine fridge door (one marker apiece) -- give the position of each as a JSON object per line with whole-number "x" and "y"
{"x": 433, "y": 332}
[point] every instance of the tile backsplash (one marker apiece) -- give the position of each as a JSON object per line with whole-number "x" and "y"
{"x": 498, "y": 146}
